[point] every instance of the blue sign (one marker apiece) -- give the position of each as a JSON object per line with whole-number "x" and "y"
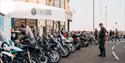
{"x": 2, "y": 23}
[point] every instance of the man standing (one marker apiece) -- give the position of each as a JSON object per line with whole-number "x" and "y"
{"x": 102, "y": 39}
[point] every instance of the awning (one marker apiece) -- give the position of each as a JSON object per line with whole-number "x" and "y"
{"x": 1, "y": 14}
{"x": 18, "y": 9}
{"x": 6, "y": 6}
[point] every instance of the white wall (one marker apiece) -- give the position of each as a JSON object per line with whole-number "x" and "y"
{"x": 7, "y": 26}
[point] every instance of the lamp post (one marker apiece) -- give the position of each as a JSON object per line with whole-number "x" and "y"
{"x": 124, "y": 12}
{"x": 93, "y": 15}
{"x": 106, "y": 16}
{"x": 116, "y": 25}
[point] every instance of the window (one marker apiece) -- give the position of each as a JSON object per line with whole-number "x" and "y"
{"x": 26, "y": 22}
{"x": 18, "y": 23}
{"x": 20, "y": 0}
{"x": 68, "y": 0}
{"x": 49, "y": 25}
{"x": 42, "y": 1}
{"x": 31, "y": 22}
{"x": 50, "y": 2}
{"x": 56, "y": 3}
{"x": 62, "y": 3}
{"x": 1, "y": 22}
{"x": 34, "y": 1}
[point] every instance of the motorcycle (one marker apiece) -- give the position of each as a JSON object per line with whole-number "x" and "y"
{"x": 85, "y": 39}
{"x": 49, "y": 48}
{"x": 68, "y": 42}
{"x": 35, "y": 52}
{"x": 76, "y": 41}
{"x": 62, "y": 49}
{"x": 10, "y": 53}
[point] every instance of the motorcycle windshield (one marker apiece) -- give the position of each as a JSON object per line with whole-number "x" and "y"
{"x": 30, "y": 35}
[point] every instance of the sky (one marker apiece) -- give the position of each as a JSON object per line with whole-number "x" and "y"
{"x": 83, "y": 19}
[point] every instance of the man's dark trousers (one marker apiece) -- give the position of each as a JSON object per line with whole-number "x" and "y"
{"x": 102, "y": 47}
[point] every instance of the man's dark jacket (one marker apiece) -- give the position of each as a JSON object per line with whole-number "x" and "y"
{"x": 102, "y": 35}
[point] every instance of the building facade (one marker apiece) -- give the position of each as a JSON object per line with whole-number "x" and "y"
{"x": 43, "y": 26}
{"x": 50, "y": 25}
{"x": 64, "y": 4}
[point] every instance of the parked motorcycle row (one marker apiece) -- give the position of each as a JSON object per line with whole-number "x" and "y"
{"x": 45, "y": 49}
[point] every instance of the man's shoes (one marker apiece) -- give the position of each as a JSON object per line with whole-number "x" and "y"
{"x": 100, "y": 55}
{"x": 103, "y": 56}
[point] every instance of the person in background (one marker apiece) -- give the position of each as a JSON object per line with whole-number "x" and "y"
{"x": 107, "y": 37}
{"x": 96, "y": 34}
{"x": 62, "y": 31}
{"x": 102, "y": 39}
{"x": 113, "y": 32}
{"x": 22, "y": 33}
{"x": 34, "y": 31}
{"x": 111, "y": 35}
{"x": 116, "y": 35}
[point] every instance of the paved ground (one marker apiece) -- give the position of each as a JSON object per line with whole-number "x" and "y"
{"x": 89, "y": 54}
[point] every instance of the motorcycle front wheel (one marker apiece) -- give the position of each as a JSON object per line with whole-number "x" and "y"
{"x": 66, "y": 52}
{"x": 55, "y": 56}
{"x": 44, "y": 59}
{"x": 23, "y": 59}
{"x": 16, "y": 61}
{"x": 73, "y": 48}
{"x": 34, "y": 59}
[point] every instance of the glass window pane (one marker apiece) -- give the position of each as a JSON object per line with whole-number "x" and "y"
{"x": 49, "y": 25}
{"x": 20, "y": 0}
{"x": 62, "y": 3}
{"x": 18, "y": 23}
{"x": 31, "y": 22}
{"x": 34, "y": 1}
{"x": 42, "y": 1}
{"x": 56, "y": 3}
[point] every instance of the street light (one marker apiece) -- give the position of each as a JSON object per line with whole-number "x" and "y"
{"x": 116, "y": 25}
{"x": 106, "y": 16}
{"x": 93, "y": 14}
